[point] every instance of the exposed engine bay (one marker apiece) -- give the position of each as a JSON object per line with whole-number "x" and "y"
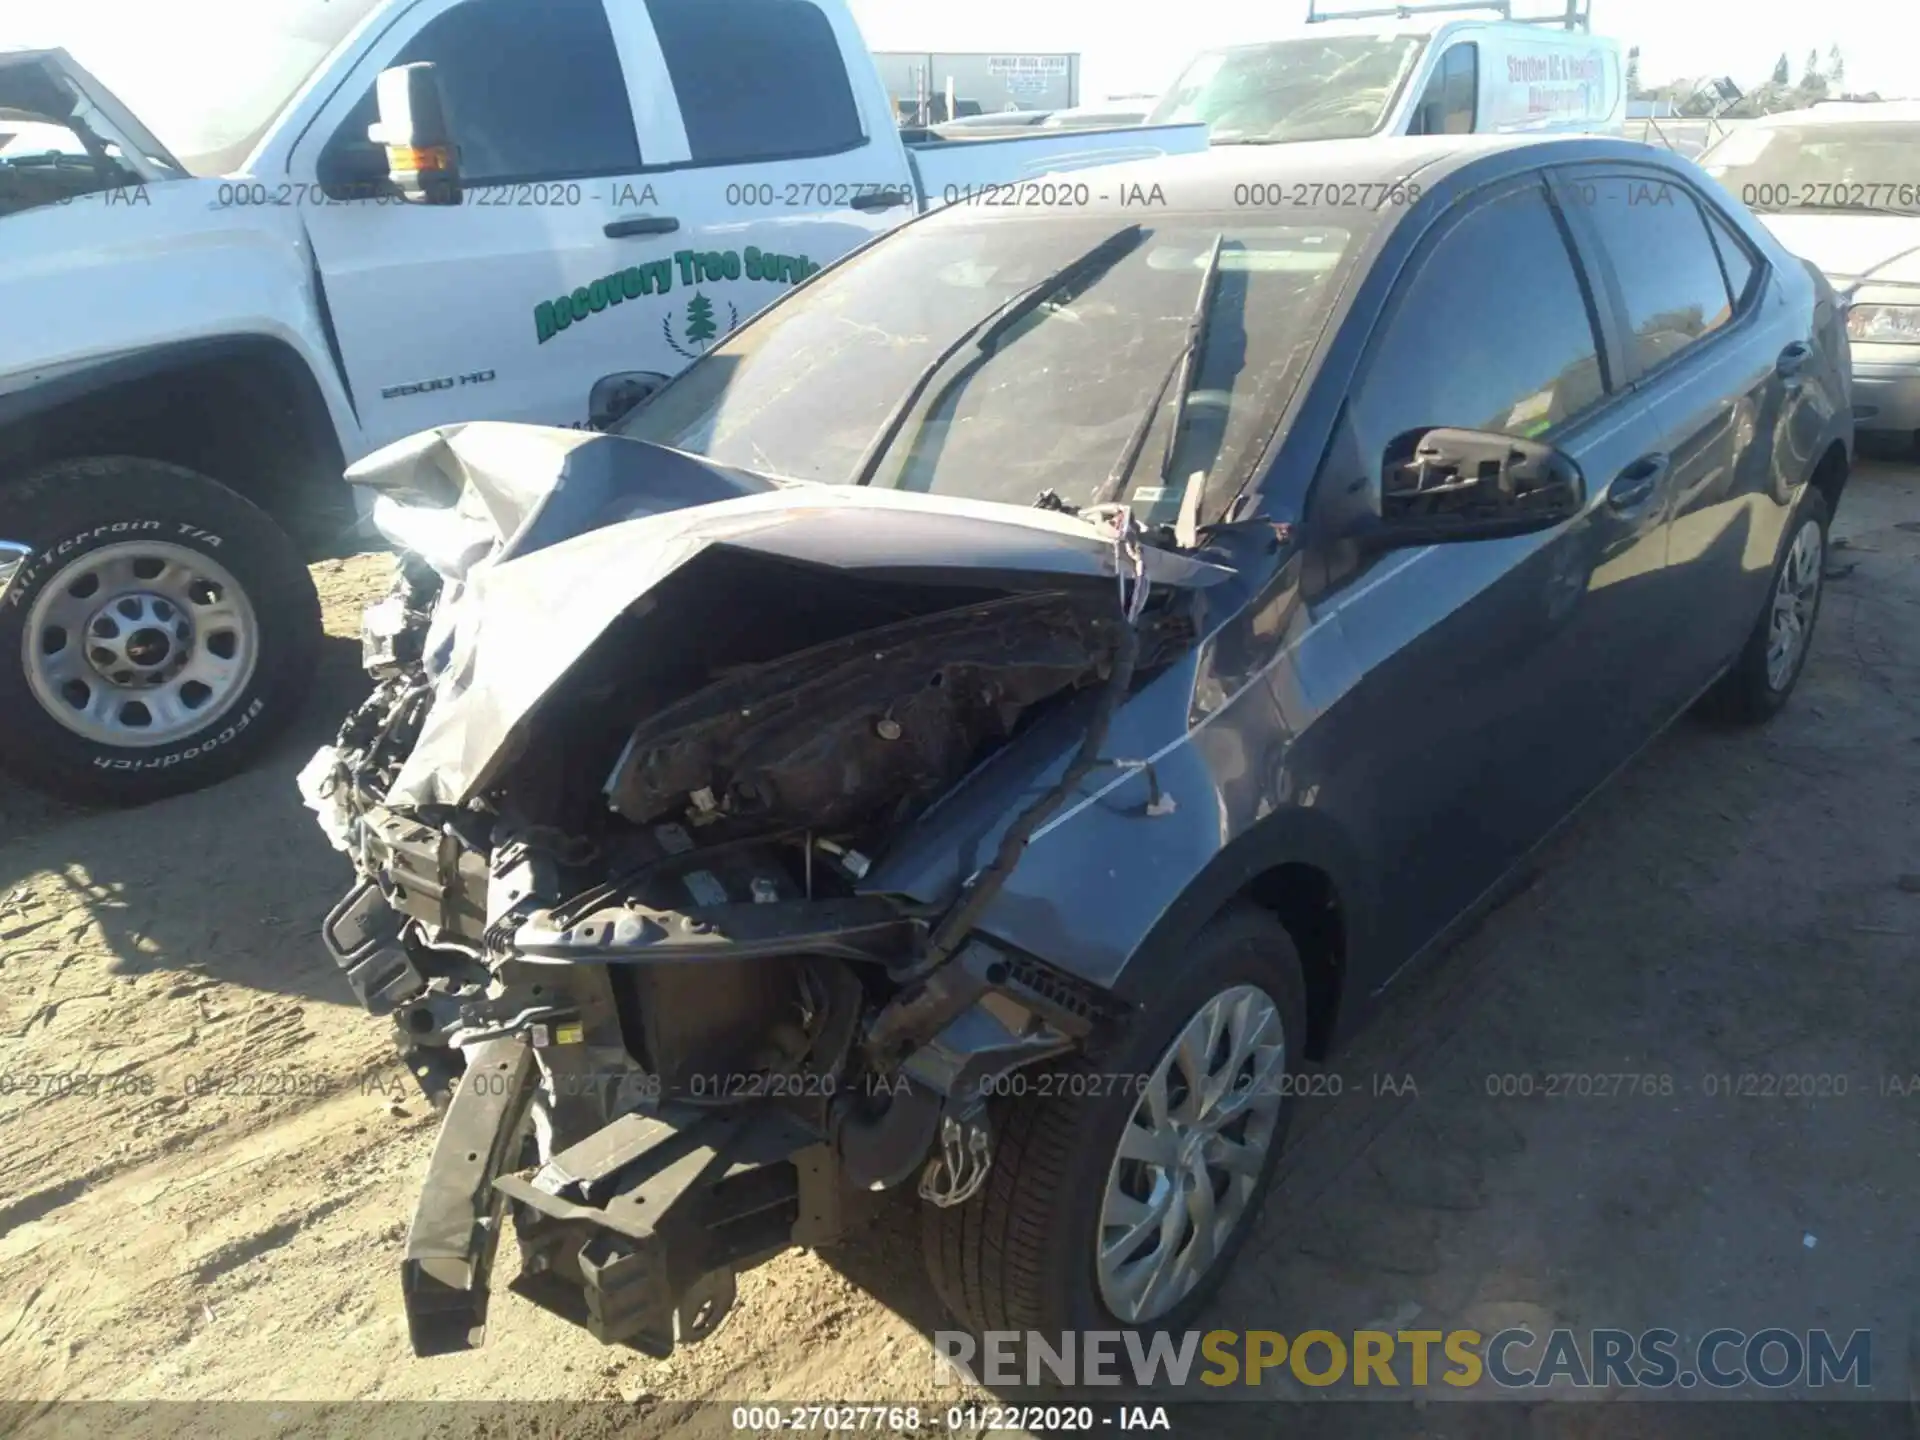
{"x": 615, "y": 889}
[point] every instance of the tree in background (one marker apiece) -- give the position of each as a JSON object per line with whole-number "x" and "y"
{"x": 1778, "y": 92}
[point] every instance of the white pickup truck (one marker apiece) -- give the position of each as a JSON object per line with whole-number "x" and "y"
{"x": 216, "y": 297}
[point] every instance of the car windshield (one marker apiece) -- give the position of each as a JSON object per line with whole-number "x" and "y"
{"x": 1051, "y": 401}
{"x": 207, "y": 77}
{"x": 1777, "y": 169}
{"x": 1339, "y": 87}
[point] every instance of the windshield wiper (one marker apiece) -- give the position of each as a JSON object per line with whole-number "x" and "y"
{"x": 1186, "y": 369}
{"x": 988, "y": 330}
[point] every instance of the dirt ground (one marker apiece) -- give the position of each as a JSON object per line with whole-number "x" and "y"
{"x": 229, "y": 1224}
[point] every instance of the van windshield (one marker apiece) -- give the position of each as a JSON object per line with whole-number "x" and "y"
{"x": 1339, "y": 87}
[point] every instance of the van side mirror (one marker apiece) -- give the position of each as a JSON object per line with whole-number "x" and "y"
{"x": 1445, "y": 485}
{"x": 422, "y": 152}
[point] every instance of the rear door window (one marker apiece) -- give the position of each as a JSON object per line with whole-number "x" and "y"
{"x": 1669, "y": 272}
{"x": 757, "y": 79}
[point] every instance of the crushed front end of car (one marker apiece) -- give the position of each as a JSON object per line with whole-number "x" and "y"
{"x": 643, "y": 731}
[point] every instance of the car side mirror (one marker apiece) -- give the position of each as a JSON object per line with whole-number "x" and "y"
{"x": 1445, "y": 485}
{"x": 422, "y": 154}
{"x": 613, "y": 397}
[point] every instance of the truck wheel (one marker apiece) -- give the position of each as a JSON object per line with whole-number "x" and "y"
{"x": 1121, "y": 1202}
{"x": 157, "y": 631}
{"x": 1769, "y": 664}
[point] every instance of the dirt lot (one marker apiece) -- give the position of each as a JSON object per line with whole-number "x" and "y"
{"x": 1733, "y": 906}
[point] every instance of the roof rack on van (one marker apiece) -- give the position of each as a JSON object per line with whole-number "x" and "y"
{"x": 1576, "y": 16}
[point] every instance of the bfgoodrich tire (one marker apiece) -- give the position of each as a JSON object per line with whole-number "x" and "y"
{"x": 1064, "y": 1234}
{"x": 1769, "y": 664}
{"x": 158, "y": 631}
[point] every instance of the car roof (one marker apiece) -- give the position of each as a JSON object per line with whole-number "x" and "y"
{"x": 1367, "y": 170}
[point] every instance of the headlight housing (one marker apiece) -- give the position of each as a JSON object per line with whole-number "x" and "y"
{"x": 1884, "y": 324}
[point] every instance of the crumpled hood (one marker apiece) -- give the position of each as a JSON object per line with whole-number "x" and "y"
{"x": 51, "y": 82}
{"x": 529, "y": 615}
{"x": 1849, "y": 249}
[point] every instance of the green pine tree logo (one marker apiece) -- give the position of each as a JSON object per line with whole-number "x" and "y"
{"x": 700, "y": 326}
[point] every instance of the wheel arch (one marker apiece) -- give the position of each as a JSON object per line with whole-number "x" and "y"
{"x": 1830, "y": 474}
{"x": 1301, "y": 868}
{"x": 243, "y": 410}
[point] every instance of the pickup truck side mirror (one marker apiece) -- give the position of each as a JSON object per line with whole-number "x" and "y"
{"x": 422, "y": 153}
{"x": 1445, "y": 485}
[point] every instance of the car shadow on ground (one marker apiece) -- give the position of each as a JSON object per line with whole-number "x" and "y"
{"x": 230, "y": 882}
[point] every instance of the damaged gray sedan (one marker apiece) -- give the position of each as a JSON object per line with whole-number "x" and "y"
{"x": 1003, "y": 714}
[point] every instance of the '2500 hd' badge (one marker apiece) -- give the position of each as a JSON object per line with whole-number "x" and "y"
{"x": 445, "y": 382}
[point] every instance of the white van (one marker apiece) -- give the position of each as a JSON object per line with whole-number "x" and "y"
{"x": 1411, "y": 74}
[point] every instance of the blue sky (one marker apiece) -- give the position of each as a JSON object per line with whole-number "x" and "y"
{"x": 1142, "y": 46}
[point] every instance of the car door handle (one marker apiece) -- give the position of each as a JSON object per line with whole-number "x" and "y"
{"x": 1793, "y": 357}
{"x": 879, "y": 200}
{"x": 1633, "y": 486}
{"x": 642, "y": 225}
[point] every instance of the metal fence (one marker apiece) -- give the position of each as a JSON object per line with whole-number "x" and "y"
{"x": 1683, "y": 137}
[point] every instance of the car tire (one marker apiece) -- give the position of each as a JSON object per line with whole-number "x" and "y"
{"x": 1757, "y": 685}
{"x": 157, "y": 631}
{"x": 1020, "y": 1254}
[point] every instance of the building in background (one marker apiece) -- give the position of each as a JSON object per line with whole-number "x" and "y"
{"x": 981, "y": 83}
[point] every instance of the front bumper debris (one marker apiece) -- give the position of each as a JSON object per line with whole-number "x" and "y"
{"x": 456, "y": 1225}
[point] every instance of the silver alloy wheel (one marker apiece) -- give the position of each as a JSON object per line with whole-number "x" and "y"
{"x": 140, "y": 644}
{"x": 1191, "y": 1155}
{"x": 1796, "y": 592}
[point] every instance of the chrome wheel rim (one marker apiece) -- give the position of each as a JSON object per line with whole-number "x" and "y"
{"x": 140, "y": 644}
{"x": 1796, "y": 596}
{"x": 1192, "y": 1154}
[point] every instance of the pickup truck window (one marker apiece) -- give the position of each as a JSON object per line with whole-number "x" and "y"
{"x": 803, "y": 390}
{"x": 757, "y": 79}
{"x": 1332, "y": 88}
{"x": 535, "y": 92}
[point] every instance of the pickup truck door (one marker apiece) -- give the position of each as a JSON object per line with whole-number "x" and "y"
{"x": 564, "y": 263}
{"x": 769, "y": 156}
